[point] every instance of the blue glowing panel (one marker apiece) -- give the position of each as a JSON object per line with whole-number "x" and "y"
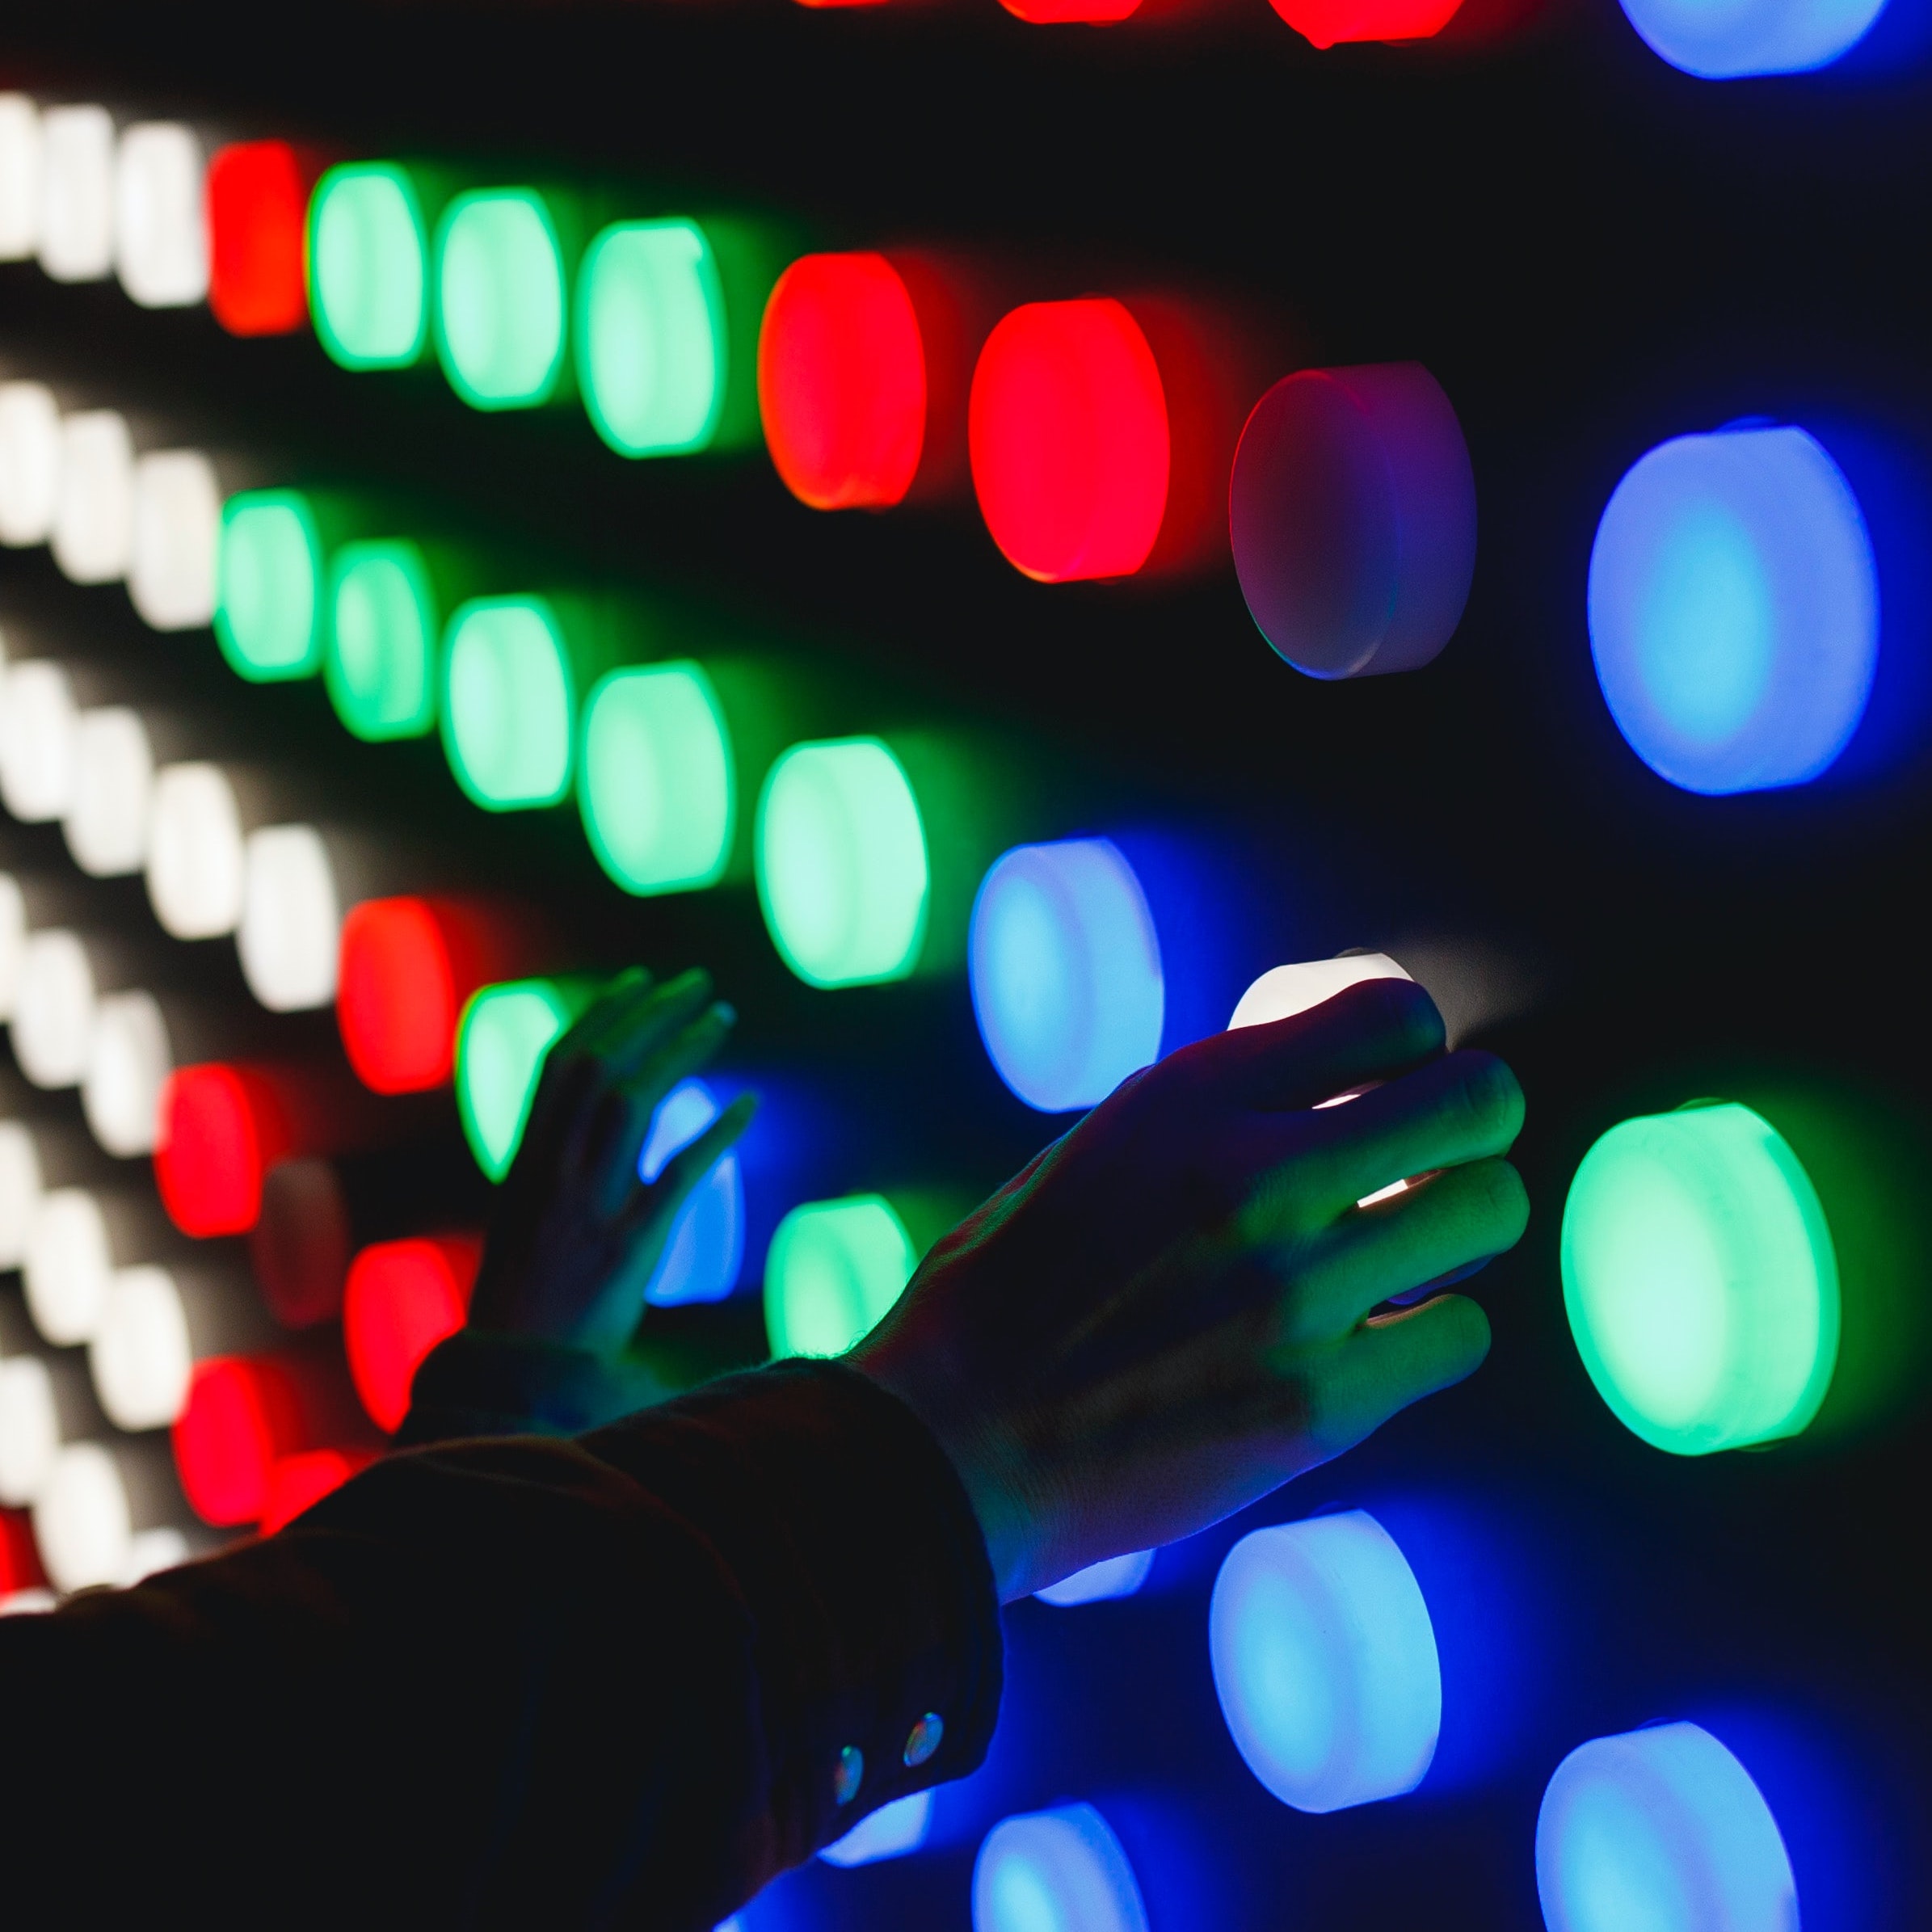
{"x": 1744, "y": 37}
{"x": 1325, "y": 1661}
{"x": 892, "y": 1831}
{"x": 1099, "y": 1582}
{"x": 1061, "y": 1870}
{"x": 701, "y": 1259}
{"x": 1660, "y": 1830}
{"x": 1066, "y": 972}
{"x": 1734, "y": 610}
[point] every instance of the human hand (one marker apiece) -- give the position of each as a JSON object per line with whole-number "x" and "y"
{"x": 1168, "y": 1313}
{"x": 576, "y": 1234}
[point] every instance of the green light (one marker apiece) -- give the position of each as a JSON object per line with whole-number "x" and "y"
{"x": 269, "y": 601}
{"x": 832, "y": 1271}
{"x": 505, "y": 1034}
{"x": 369, "y": 265}
{"x": 841, "y": 862}
{"x": 655, "y": 781}
{"x": 651, "y": 340}
{"x": 380, "y": 660}
{"x": 509, "y": 702}
{"x": 502, "y": 284}
{"x": 1700, "y": 1280}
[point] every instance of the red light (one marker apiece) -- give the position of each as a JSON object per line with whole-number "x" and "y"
{"x": 403, "y": 1298}
{"x": 1068, "y": 429}
{"x": 298, "y": 1483}
{"x": 302, "y": 1242}
{"x": 1326, "y": 22}
{"x": 842, "y": 381}
{"x": 1096, "y": 12}
{"x": 19, "y": 1554}
{"x": 258, "y": 221}
{"x": 245, "y": 1413}
{"x": 407, "y": 967}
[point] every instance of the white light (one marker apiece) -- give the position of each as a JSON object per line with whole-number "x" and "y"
{"x": 150, "y": 1551}
{"x": 891, "y": 1832}
{"x": 160, "y": 229}
{"x": 30, "y": 1427}
{"x": 36, "y": 740}
{"x": 291, "y": 928}
{"x": 29, "y": 463}
{"x": 28, "y": 1603}
{"x": 112, "y": 794}
{"x": 140, "y": 1357}
{"x": 20, "y": 177}
{"x": 156, "y": 1325}
{"x": 53, "y": 1009}
{"x": 19, "y": 1189}
{"x": 13, "y": 934}
{"x": 96, "y": 1518}
{"x": 93, "y": 538}
{"x": 196, "y": 851}
{"x": 77, "y": 193}
{"x": 69, "y": 1261}
{"x": 129, "y": 1059}
{"x": 1100, "y": 1582}
{"x": 176, "y": 535}
{"x": 1285, "y": 990}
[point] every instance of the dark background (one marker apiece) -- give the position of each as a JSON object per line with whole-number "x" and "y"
{"x": 1591, "y": 252}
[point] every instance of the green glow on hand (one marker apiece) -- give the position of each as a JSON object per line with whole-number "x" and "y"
{"x": 269, "y": 602}
{"x": 654, "y": 778}
{"x": 652, "y": 345}
{"x": 1700, "y": 1279}
{"x": 369, "y": 265}
{"x": 505, "y": 1033}
{"x": 380, "y": 661}
{"x": 509, "y": 702}
{"x": 832, "y": 1271}
{"x": 502, "y": 281}
{"x": 841, "y": 851}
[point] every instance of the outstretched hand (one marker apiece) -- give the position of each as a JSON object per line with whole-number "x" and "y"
{"x": 1172, "y": 1311}
{"x": 576, "y": 1234}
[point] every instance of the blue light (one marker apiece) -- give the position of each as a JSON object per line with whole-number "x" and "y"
{"x": 1325, "y": 1663}
{"x": 1660, "y": 1830}
{"x": 1727, "y": 41}
{"x": 1061, "y": 1870}
{"x": 892, "y": 1831}
{"x": 1734, "y": 610}
{"x": 1099, "y": 1582}
{"x": 701, "y": 1259}
{"x": 1066, "y": 973}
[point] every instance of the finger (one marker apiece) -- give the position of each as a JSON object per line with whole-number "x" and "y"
{"x": 1458, "y": 1218}
{"x": 646, "y": 1026}
{"x": 1374, "y": 1031}
{"x": 643, "y": 1093}
{"x": 686, "y": 1169}
{"x": 1393, "y": 1360}
{"x": 1465, "y": 1107}
{"x": 587, "y": 1033}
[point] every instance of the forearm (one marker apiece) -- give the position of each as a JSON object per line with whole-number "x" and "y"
{"x": 549, "y": 1682}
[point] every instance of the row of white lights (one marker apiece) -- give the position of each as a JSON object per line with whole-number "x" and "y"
{"x": 89, "y": 198}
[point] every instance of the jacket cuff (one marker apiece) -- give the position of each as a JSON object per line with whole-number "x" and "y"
{"x": 476, "y": 1384}
{"x": 861, "y": 1562}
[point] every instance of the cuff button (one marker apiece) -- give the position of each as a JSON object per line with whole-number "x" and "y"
{"x": 847, "y": 1774}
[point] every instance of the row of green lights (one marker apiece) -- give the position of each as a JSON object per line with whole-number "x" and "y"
{"x": 526, "y": 301}
{"x": 532, "y": 699}
{"x": 834, "y": 1268}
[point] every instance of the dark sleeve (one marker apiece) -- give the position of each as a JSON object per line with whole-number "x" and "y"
{"x": 619, "y": 1680}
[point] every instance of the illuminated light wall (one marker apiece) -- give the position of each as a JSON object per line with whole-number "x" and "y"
{"x": 1283, "y": 992}
{"x": 77, "y": 192}
{"x": 175, "y": 538}
{"x": 503, "y": 1040}
{"x": 833, "y": 1271}
{"x": 258, "y": 210}
{"x": 298, "y": 1483}
{"x": 1334, "y": 23}
{"x": 156, "y": 1323}
{"x": 19, "y": 176}
{"x": 1734, "y": 610}
{"x": 1103, "y": 1582}
{"x": 1700, "y": 1279}
{"x": 370, "y": 282}
{"x": 1352, "y": 512}
{"x": 1753, "y": 39}
{"x": 1064, "y": 1867}
{"x": 387, "y": 599}
{"x": 92, "y": 536}
{"x": 401, "y": 1298}
{"x": 1662, "y": 1826}
{"x": 110, "y": 1514}
{"x": 161, "y": 245}
{"x": 271, "y": 613}
{"x": 1325, "y": 1662}
{"x": 705, "y": 1250}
